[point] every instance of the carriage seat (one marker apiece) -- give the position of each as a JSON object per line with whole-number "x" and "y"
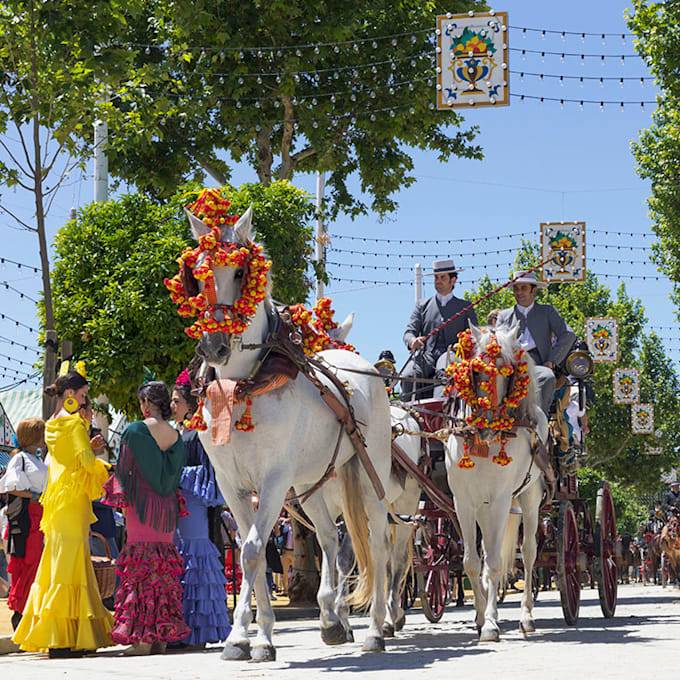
{"x": 431, "y": 413}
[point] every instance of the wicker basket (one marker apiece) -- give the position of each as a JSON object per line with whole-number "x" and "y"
{"x": 104, "y": 568}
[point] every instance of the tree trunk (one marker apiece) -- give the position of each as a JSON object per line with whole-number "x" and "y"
{"x": 304, "y": 585}
{"x": 265, "y": 158}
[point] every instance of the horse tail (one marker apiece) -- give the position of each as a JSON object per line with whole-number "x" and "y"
{"x": 509, "y": 545}
{"x": 356, "y": 521}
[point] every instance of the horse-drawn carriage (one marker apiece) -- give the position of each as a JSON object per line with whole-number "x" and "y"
{"x": 572, "y": 541}
{"x": 319, "y": 421}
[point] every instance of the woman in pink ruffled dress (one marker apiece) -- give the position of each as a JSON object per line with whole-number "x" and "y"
{"x": 148, "y": 605}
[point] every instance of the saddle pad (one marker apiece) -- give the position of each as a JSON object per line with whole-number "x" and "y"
{"x": 221, "y": 394}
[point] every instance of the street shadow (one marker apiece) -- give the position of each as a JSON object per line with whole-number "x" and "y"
{"x": 409, "y": 653}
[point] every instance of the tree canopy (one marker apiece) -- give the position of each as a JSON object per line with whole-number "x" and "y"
{"x": 343, "y": 86}
{"x": 613, "y": 451}
{"x": 110, "y": 262}
{"x": 658, "y": 149}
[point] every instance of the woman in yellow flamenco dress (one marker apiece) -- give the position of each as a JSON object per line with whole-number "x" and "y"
{"x": 64, "y": 612}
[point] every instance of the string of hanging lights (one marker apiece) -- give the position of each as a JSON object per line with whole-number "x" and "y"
{"x": 14, "y": 343}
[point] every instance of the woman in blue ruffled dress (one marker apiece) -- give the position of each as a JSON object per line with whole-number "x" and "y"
{"x": 203, "y": 582}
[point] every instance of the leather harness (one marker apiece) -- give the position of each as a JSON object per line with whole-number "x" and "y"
{"x": 283, "y": 355}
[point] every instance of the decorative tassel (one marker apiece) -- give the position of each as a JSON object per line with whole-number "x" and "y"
{"x": 245, "y": 424}
{"x": 197, "y": 422}
{"x": 502, "y": 458}
{"x": 466, "y": 462}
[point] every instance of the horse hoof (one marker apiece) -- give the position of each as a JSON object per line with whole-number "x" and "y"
{"x": 388, "y": 630}
{"x": 479, "y": 631}
{"x": 264, "y": 653}
{"x": 527, "y": 627}
{"x": 399, "y": 625}
{"x": 374, "y": 644}
{"x": 334, "y": 635}
{"x": 236, "y": 651}
{"x": 349, "y": 635}
{"x": 489, "y": 635}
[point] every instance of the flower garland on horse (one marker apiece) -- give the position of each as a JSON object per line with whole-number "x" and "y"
{"x": 487, "y": 413}
{"x": 200, "y": 262}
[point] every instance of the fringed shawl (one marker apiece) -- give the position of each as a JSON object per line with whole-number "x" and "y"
{"x": 150, "y": 477}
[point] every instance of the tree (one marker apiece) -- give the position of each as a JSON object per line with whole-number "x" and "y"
{"x": 48, "y": 92}
{"x": 322, "y": 89}
{"x": 613, "y": 450}
{"x": 658, "y": 150}
{"x": 110, "y": 299}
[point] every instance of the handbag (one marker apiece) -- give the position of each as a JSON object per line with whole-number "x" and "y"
{"x": 19, "y": 521}
{"x": 104, "y": 568}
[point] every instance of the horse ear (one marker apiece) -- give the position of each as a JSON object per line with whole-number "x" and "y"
{"x": 476, "y": 331}
{"x": 243, "y": 229}
{"x": 515, "y": 332}
{"x": 198, "y": 228}
{"x": 342, "y": 331}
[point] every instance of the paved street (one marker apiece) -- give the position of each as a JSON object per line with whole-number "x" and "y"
{"x": 643, "y": 640}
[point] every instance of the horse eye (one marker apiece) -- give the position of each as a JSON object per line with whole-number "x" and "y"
{"x": 239, "y": 274}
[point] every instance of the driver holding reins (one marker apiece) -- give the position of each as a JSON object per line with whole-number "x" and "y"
{"x": 545, "y": 335}
{"x": 428, "y": 315}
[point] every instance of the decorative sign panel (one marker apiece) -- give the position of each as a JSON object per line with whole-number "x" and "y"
{"x": 563, "y": 249}
{"x": 626, "y": 386}
{"x": 602, "y": 336}
{"x": 642, "y": 418}
{"x": 472, "y": 60}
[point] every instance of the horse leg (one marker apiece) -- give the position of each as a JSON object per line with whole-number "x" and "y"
{"x": 493, "y": 521}
{"x": 345, "y": 565}
{"x": 272, "y": 496}
{"x": 530, "y": 502}
{"x": 332, "y": 629}
{"x": 472, "y": 563}
{"x": 398, "y": 564}
{"x": 237, "y": 645}
{"x": 377, "y": 527}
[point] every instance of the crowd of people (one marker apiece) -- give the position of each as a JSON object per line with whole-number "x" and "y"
{"x": 170, "y": 580}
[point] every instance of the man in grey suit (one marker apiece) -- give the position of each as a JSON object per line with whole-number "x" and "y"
{"x": 545, "y": 335}
{"x": 427, "y": 316}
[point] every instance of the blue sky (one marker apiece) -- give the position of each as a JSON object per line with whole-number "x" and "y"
{"x": 542, "y": 163}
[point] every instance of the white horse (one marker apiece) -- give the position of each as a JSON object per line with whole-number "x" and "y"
{"x": 402, "y": 497}
{"x": 484, "y": 495}
{"x": 292, "y": 445}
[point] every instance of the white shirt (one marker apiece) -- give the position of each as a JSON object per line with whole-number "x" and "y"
{"x": 25, "y": 472}
{"x": 526, "y": 340}
{"x": 444, "y": 299}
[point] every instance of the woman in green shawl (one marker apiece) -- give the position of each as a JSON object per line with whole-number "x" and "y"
{"x": 148, "y": 606}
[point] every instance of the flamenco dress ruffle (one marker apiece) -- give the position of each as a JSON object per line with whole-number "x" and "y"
{"x": 148, "y": 601}
{"x": 203, "y": 580}
{"x": 64, "y": 608}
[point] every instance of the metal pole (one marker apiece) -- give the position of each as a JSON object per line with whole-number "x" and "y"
{"x": 418, "y": 282}
{"x": 101, "y": 162}
{"x": 320, "y": 230}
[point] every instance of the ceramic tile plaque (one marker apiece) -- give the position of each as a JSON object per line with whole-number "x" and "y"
{"x": 563, "y": 251}
{"x": 472, "y": 60}
{"x": 642, "y": 418}
{"x": 626, "y": 386}
{"x": 602, "y": 336}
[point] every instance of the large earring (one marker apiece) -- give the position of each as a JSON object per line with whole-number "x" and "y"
{"x": 71, "y": 405}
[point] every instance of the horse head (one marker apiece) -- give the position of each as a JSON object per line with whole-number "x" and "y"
{"x": 234, "y": 288}
{"x": 501, "y": 363}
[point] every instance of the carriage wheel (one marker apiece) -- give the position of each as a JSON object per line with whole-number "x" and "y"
{"x": 567, "y": 563}
{"x": 410, "y": 592}
{"x": 433, "y": 588}
{"x": 605, "y": 542}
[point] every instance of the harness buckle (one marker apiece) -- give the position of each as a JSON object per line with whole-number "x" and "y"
{"x": 236, "y": 343}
